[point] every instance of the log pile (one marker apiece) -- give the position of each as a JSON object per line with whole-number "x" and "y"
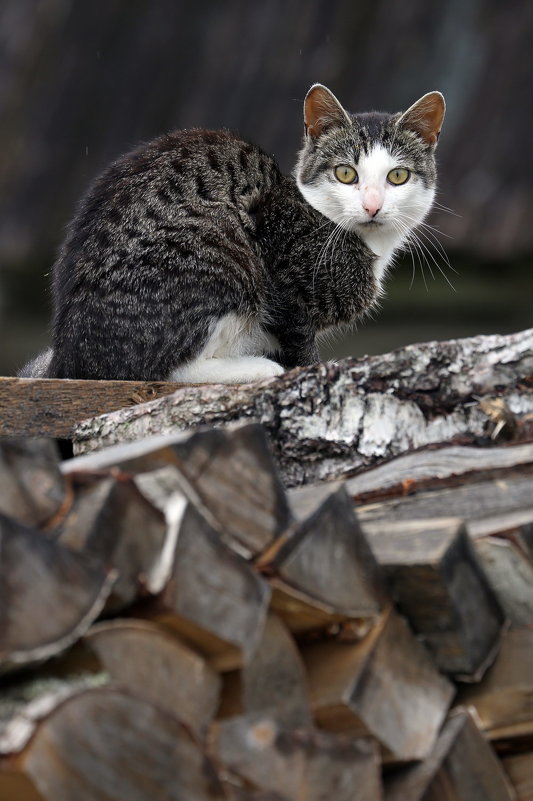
{"x": 175, "y": 624}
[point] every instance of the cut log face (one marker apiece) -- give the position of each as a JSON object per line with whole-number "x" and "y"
{"x": 385, "y": 686}
{"x": 232, "y": 473}
{"x": 503, "y": 699}
{"x": 32, "y": 488}
{"x": 437, "y": 582}
{"x": 213, "y": 599}
{"x": 461, "y": 766}
{"x": 300, "y": 765}
{"x": 154, "y": 665}
{"x": 519, "y": 769}
{"x": 111, "y": 520}
{"x": 328, "y": 557}
{"x": 274, "y": 677}
{"x": 510, "y": 571}
{"x": 49, "y": 594}
{"x": 104, "y": 743}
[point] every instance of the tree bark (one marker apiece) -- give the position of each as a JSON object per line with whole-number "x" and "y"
{"x": 331, "y": 419}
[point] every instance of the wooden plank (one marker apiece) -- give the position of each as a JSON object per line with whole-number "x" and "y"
{"x": 429, "y": 468}
{"x": 51, "y": 407}
{"x": 461, "y": 767}
{"x": 385, "y": 686}
{"x": 485, "y": 506}
{"x": 436, "y": 580}
{"x": 519, "y": 768}
{"x": 503, "y": 699}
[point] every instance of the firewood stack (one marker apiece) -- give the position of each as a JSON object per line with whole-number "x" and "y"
{"x": 174, "y": 624}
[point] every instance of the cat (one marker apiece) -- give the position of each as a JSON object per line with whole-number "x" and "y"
{"x": 194, "y": 259}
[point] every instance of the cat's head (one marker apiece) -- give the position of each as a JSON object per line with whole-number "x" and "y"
{"x": 372, "y": 173}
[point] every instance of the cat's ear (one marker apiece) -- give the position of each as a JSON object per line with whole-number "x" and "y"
{"x": 425, "y": 117}
{"x": 322, "y": 111}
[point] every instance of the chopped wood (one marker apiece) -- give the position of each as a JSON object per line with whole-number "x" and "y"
{"x": 502, "y": 701}
{"x": 430, "y": 468}
{"x": 213, "y": 598}
{"x": 49, "y": 594}
{"x": 232, "y": 473}
{"x": 481, "y": 505}
{"x": 519, "y": 769}
{"x": 385, "y": 686}
{"x": 330, "y": 419}
{"x": 509, "y": 570}
{"x": 152, "y": 664}
{"x": 118, "y": 746}
{"x": 301, "y": 764}
{"x": 32, "y": 489}
{"x": 272, "y": 680}
{"x": 51, "y": 407}
{"x": 436, "y": 580}
{"x": 461, "y": 767}
{"x": 110, "y": 519}
{"x": 326, "y": 557}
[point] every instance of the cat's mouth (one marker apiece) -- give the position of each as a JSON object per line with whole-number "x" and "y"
{"x": 371, "y": 223}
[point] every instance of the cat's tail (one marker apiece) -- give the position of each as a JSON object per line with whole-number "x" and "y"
{"x": 38, "y": 367}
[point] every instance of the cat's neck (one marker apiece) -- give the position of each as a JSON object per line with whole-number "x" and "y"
{"x": 383, "y": 242}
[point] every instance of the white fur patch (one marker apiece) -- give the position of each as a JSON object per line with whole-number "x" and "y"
{"x": 233, "y": 354}
{"x": 402, "y": 207}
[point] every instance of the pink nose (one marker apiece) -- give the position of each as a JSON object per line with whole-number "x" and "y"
{"x": 371, "y": 202}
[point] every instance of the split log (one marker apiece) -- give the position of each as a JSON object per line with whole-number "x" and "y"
{"x": 431, "y": 468}
{"x": 461, "y": 766}
{"x": 509, "y": 569}
{"x": 112, "y": 521}
{"x": 322, "y": 571}
{"x": 487, "y": 507}
{"x": 152, "y": 664}
{"x": 503, "y": 699}
{"x": 385, "y": 686}
{"x": 105, "y": 743}
{"x": 212, "y": 597}
{"x": 519, "y": 769}
{"x": 232, "y": 473}
{"x": 329, "y": 419}
{"x": 49, "y": 594}
{"x": 32, "y": 488}
{"x": 272, "y": 680}
{"x": 301, "y": 765}
{"x": 436, "y": 580}
{"x": 51, "y": 407}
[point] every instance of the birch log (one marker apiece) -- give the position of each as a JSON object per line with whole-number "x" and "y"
{"x": 331, "y": 419}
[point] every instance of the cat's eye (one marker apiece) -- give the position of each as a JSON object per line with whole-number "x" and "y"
{"x": 397, "y": 176}
{"x": 346, "y": 174}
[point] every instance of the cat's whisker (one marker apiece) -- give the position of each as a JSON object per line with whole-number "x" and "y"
{"x": 425, "y": 248}
{"x": 432, "y": 240}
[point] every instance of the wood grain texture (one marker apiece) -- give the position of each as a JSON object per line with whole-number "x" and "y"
{"x": 385, "y": 686}
{"x": 436, "y": 580}
{"x": 461, "y": 767}
{"x": 49, "y": 407}
{"x": 519, "y": 769}
{"x": 32, "y": 489}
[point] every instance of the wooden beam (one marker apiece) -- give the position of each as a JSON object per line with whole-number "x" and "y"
{"x": 52, "y": 407}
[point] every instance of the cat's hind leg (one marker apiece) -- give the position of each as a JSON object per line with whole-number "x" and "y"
{"x": 227, "y": 370}
{"x": 233, "y": 354}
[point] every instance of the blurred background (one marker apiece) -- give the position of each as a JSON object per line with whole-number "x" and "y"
{"x": 81, "y": 83}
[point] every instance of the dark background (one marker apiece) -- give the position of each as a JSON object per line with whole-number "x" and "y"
{"x": 82, "y": 82}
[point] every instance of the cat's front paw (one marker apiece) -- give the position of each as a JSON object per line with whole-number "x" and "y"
{"x": 236, "y": 370}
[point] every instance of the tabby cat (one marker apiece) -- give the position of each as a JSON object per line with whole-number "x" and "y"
{"x": 195, "y": 259}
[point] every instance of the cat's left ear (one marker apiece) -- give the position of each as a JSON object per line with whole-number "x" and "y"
{"x": 322, "y": 111}
{"x": 425, "y": 117}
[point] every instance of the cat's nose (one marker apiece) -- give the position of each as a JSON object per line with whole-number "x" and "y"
{"x": 371, "y": 202}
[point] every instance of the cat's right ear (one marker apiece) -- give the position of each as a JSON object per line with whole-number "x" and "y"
{"x": 322, "y": 111}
